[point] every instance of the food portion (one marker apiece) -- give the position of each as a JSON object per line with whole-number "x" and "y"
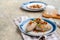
{"x": 38, "y": 25}
{"x": 55, "y": 16}
{"x": 35, "y": 6}
{"x": 51, "y": 13}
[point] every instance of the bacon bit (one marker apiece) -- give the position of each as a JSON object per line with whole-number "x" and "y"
{"x": 31, "y": 22}
{"x": 38, "y": 19}
{"x": 43, "y": 22}
{"x": 36, "y": 6}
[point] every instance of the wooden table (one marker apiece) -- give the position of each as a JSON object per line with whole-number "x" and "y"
{"x": 10, "y": 9}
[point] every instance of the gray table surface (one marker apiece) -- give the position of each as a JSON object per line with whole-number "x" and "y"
{"x": 9, "y": 9}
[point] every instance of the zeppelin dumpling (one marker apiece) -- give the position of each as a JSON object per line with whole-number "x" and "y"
{"x": 30, "y": 26}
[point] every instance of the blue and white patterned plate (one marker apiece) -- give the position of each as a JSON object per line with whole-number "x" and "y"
{"x": 24, "y": 23}
{"x": 25, "y": 5}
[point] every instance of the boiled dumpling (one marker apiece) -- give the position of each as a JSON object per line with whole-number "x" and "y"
{"x": 30, "y": 26}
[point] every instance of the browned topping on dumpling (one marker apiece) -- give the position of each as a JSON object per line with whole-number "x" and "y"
{"x": 38, "y": 25}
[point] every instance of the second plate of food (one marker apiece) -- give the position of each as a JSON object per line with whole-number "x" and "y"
{"x": 34, "y": 6}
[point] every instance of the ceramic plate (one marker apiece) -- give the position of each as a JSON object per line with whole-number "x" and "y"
{"x": 27, "y": 4}
{"x": 24, "y": 23}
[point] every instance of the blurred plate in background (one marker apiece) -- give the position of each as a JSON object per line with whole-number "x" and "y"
{"x": 38, "y": 6}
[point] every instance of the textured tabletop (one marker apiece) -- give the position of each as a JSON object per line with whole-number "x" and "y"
{"x": 9, "y": 9}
